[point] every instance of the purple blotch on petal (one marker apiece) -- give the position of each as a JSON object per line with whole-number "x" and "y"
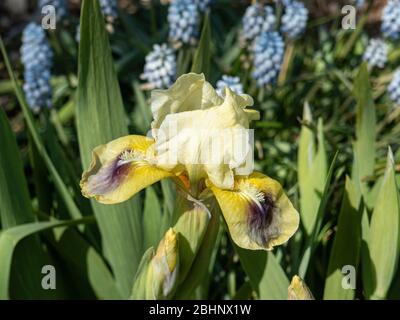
{"x": 260, "y": 220}
{"x": 108, "y": 178}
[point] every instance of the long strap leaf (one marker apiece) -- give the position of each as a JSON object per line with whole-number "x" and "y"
{"x": 10, "y": 238}
{"x": 100, "y": 118}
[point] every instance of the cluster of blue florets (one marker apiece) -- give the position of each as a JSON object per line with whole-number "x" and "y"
{"x": 391, "y": 20}
{"x": 359, "y": 3}
{"x": 268, "y": 53}
{"x": 390, "y": 29}
{"x": 376, "y": 53}
{"x": 203, "y": 4}
{"x": 160, "y": 67}
{"x": 394, "y": 88}
{"x": 294, "y": 19}
{"x": 260, "y": 31}
{"x": 109, "y": 9}
{"x": 36, "y": 56}
{"x": 59, "y": 5}
{"x": 256, "y": 20}
{"x": 183, "y": 19}
{"x": 231, "y": 82}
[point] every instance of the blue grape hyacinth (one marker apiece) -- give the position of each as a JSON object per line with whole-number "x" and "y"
{"x": 231, "y": 82}
{"x": 203, "y": 4}
{"x": 376, "y": 53}
{"x": 59, "y": 5}
{"x": 256, "y": 20}
{"x": 109, "y": 9}
{"x": 36, "y": 56}
{"x": 78, "y": 33}
{"x": 183, "y": 19}
{"x": 294, "y": 19}
{"x": 391, "y": 20}
{"x": 160, "y": 67}
{"x": 394, "y": 88}
{"x": 268, "y": 55}
{"x": 359, "y": 3}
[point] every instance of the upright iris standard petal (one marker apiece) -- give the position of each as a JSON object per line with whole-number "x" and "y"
{"x": 190, "y": 92}
{"x": 120, "y": 169}
{"x": 209, "y": 142}
{"x": 258, "y": 213}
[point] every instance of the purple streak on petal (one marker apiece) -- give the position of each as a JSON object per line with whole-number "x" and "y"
{"x": 260, "y": 220}
{"x": 108, "y": 178}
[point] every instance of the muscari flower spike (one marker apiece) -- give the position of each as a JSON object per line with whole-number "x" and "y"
{"x": 203, "y": 4}
{"x": 59, "y": 5}
{"x": 160, "y": 67}
{"x": 187, "y": 118}
{"x": 109, "y": 9}
{"x": 376, "y": 53}
{"x": 183, "y": 19}
{"x": 36, "y": 56}
{"x": 394, "y": 88}
{"x": 294, "y": 19}
{"x": 391, "y": 20}
{"x": 232, "y": 83}
{"x": 256, "y": 20}
{"x": 78, "y": 33}
{"x": 359, "y": 3}
{"x": 268, "y": 55}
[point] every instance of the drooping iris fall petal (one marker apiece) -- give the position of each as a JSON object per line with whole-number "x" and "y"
{"x": 258, "y": 213}
{"x": 120, "y": 169}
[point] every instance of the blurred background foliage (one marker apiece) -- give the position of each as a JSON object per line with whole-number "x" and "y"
{"x": 329, "y": 133}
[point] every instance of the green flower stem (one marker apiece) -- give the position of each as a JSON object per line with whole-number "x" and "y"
{"x": 67, "y": 112}
{"x": 287, "y": 59}
{"x": 200, "y": 266}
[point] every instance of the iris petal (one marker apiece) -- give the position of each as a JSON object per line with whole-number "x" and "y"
{"x": 210, "y": 142}
{"x": 258, "y": 213}
{"x": 120, "y": 169}
{"x": 190, "y": 92}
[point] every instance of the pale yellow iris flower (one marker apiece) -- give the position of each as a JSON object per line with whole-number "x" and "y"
{"x": 195, "y": 134}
